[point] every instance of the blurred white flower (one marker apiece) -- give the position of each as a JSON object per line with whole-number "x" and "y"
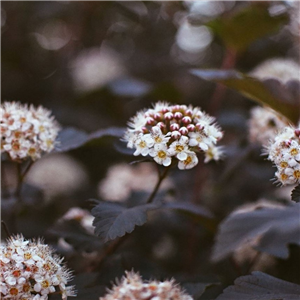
{"x": 122, "y": 179}
{"x": 53, "y": 35}
{"x": 264, "y": 124}
{"x": 58, "y": 174}
{"x": 83, "y": 216}
{"x": 95, "y": 67}
{"x": 193, "y": 39}
{"x": 278, "y": 68}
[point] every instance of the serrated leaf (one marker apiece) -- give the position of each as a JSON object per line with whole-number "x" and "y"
{"x": 296, "y": 194}
{"x": 71, "y": 138}
{"x": 274, "y": 227}
{"x": 260, "y": 286}
{"x": 113, "y": 220}
{"x": 196, "y": 289}
{"x": 240, "y": 29}
{"x": 283, "y": 98}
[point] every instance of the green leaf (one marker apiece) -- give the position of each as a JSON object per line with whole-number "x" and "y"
{"x": 240, "y": 29}
{"x": 283, "y": 98}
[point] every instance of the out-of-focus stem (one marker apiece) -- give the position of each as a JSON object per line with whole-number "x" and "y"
{"x": 161, "y": 177}
{"x": 228, "y": 62}
{"x": 114, "y": 245}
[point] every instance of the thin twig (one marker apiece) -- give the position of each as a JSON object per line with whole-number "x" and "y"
{"x": 114, "y": 245}
{"x": 3, "y": 224}
{"x": 160, "y": 179}
{"x": 21, "y": 176}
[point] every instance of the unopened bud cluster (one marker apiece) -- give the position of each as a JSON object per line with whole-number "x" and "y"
{"x": 264, "y": 124}
{"x": 132, "y": 287}
{"x": 285, "y": 153}
{"x": 26, "y": 131}
{"x": 169, "y": 132}
{"x": 30, "y": 270}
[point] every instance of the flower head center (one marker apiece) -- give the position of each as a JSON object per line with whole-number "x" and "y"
{"x": 283, "y": 164}
{"x": 142, "y": 144}
{"x": 179, "y": 148}
{"x": 161, "y": 154}
{"x": 27, "y": 255}
{"x": 297, "y": 174}
{"x": 13, "y": 291}
{"x": 16, "y": 273}
{"x": 45, "y": 284}
{"x": 188, "y": 160}
{"x": 294, "y": 151}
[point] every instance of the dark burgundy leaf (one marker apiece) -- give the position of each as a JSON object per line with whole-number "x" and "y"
{"x": 189, "y": 208}
{"x": 71, "y": 138}
{"x": 296, "y": 194}
{"x": 113, "y": 220}
{"x": 275, "y": 228}
{"x": 284, "y": 98}
{"x": 196, "y": 289}
{"x": 260, "y": 286}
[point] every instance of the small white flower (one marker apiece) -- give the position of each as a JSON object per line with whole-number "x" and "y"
{"x": 143, "y": 144}
{"x": 190, "y": 161}
{"x": 161, "y": 155}
{"x": 180, "y": 148}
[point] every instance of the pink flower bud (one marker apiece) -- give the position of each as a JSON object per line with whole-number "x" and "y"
{"x": 174, "y": 127}
{"x": 191, "y": 127}
{"x": 156, "y": 116}
{"x": 183, "y": 131}
{"x": 176, "y": 135}
{"x": 150, "y": 121}
{"x": 297, "y": 132}
{"x": 165, "y": 110}
{"x": 168, "y": 116}
{"x": 145, "y": 130}
{"x": 186, "y": 120}
{"x": 161, "y": 125}
{"x": 178, "y": 115}
{"x": 176, "y": 107}
{"x": 189, "y": 112}
{"x": 199, "y": 126}
{"x": 183, "y": 107}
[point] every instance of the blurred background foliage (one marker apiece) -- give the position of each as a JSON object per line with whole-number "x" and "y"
{"x": 94, "y": 64}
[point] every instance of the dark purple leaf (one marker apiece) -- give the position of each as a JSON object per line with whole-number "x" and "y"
{"x": 189, "y": 208}
{"x": 275, "y": 228}
{"x": 113, "y": 220}
{"x": 196, "y": 289}
{"x": 296, "y": 194}
{"x": 130, "y": 87}
{"x": 260, "y": 286}
{"x": 71, "y": 138}
{"x": 284, "y": 98}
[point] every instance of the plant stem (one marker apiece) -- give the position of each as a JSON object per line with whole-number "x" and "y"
{"x": 228, "y": 62}
{"x": 161, "y": 177}
{"x": 21, "y": 176}
{"x": 114, "y": 245}
{"x": 3, "y": 224}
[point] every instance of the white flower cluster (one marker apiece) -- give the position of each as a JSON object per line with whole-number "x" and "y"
{"x": 26, "y": 131}
{"x": 132, "y": 287}
{"x": 169, "y": 132}
{"x": 264, "y": 124}
{"x": 285, "y": 153}
{"x": 30, "y": 270}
